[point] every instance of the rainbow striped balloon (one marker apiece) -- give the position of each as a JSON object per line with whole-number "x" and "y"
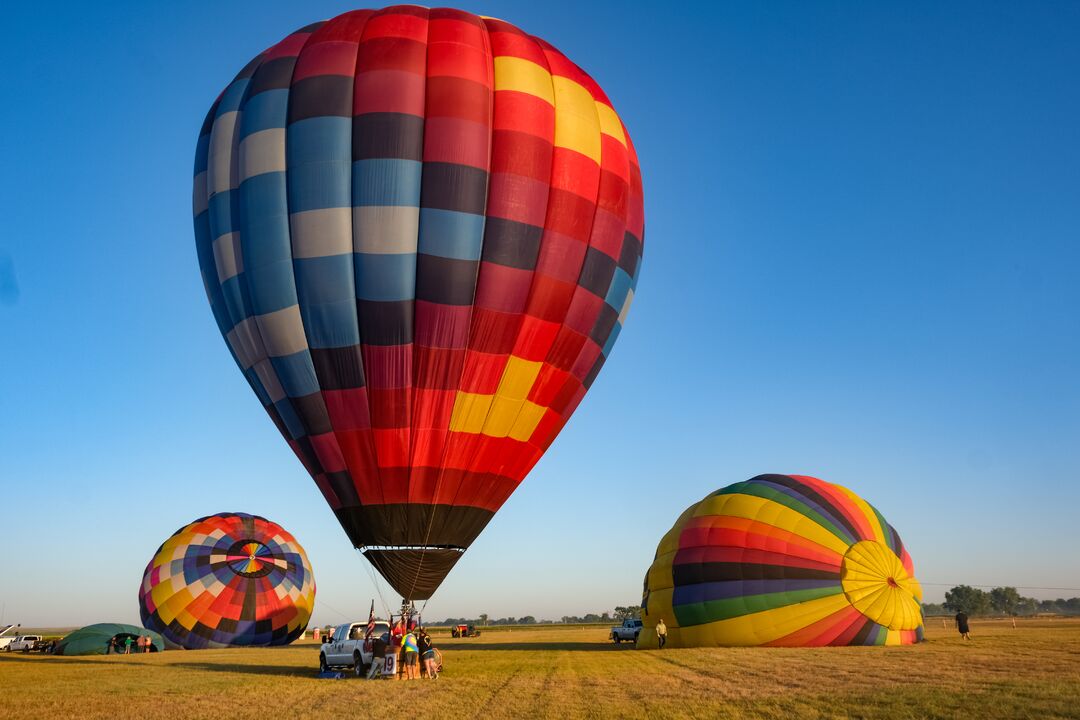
{"x": 228, "y": 579}
{"x": 784, "y": 560}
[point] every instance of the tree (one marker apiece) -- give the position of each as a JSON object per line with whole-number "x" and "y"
{"x": 1027, "y": 606}
{"x": 627, "y": 613}
{"x": 964, "y": 598}
{"x": 483, "y": 618}
{"x": 933, "y": 609}
{"x": 1005, "y": 600}
{"x": 526, "y": 620}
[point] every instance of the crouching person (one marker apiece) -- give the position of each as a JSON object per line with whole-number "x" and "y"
{"x": 378, "y": 658}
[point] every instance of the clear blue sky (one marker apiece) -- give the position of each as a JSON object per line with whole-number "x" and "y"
{"x": 862, "y": 260}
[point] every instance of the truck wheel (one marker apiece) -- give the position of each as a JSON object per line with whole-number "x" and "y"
{"x": 358, "y": 665}
{"x": 636, "y": 636}
{"x": 616, "y": 639}
{"x": 323, "y": 667}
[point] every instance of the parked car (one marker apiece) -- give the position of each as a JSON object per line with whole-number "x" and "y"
{"x": 26, "y": 643}
{"x": 348, "y": 648}
{"x": 629, "y": 630}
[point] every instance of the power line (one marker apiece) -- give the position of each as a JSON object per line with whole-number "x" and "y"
{"x": 332, "y": 609}
{"x": 1018, "y": 587}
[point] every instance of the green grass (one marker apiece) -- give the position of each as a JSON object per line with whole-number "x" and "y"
{"x": 555, "y": 672}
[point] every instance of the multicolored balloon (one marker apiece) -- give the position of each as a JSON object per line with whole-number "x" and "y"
{"x": 420, "y": 232}
{"x": 784, "y": 560}
{"x": 228, "y": 579}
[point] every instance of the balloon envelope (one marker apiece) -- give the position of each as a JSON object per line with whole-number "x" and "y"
{"x": 420, "y": 232}
{"x": 228, "y": 579}
{"x": 97, "y": 639}
{"x": 784, "y": 560}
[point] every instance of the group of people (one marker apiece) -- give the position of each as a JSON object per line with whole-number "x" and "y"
{"x": 416, "y": 652}
{"x": 143, "y": 643}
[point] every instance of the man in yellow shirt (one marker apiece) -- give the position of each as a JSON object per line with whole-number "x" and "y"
{"x": 412, "y": 655}
{"x": 661, "y": 633}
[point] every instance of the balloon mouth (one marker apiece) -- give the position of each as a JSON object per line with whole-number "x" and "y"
{"x": 892, "y": 582}
{"x": 414, "y": 571}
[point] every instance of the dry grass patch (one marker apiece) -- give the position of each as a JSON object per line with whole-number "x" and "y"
{"x": 554, "y": 672}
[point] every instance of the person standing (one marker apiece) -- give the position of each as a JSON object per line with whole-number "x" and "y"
{"x": 147, "y": 642}
{"x": 378, "y": 657}
{"x": 127, "y": 645}
{"x": 412, "y": 655}
{"x": 427, "y": 654}
{"x": 661, "y": 633}
{"x": 962, "y": 624}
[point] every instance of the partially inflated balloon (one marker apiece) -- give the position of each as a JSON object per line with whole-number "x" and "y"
{"x": 228, "y": 579}
{"x": 420, "y": 233}
{"x": 782, "y": 560}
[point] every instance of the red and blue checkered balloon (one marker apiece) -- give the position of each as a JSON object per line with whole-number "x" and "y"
{"x": 420, "y": 232}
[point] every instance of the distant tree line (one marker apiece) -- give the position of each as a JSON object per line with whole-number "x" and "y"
{"x": 1000, "y": 601}
{"x": 620, "y": 613}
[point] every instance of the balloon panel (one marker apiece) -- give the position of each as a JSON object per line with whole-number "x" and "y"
{"x": 225, "y": 580}
{"x": 782, "y": 560}
{"x": 420, "y": 232}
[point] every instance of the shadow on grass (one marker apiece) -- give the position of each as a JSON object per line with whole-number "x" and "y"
{"x": 88, "y": 659}
{"x": 569, "y": 646}
{"x": 50, "y": 659}
{"x": 281, "y": 670}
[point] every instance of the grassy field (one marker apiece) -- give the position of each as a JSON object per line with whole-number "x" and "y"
{"x": 1030, "y": 672}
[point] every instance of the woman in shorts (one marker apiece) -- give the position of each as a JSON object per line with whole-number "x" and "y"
{"x": 427, "y": 654}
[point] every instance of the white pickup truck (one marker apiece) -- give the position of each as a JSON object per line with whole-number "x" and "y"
{"x": 26, "y": 643}
{"x": 629, "y": 631}
{"x": 347, "y": 648}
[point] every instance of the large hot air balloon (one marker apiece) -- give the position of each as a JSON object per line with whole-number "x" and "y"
{"x": 228, "y": 579}
{"x": 782, "y": 560}
{"x": 420, "y": 232}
